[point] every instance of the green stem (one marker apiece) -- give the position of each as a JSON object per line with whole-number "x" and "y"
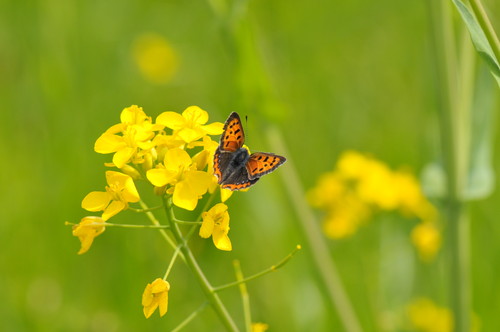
{"x": 261, "y": 273}
{"x": 172, "y": 261}
{"x": 191, "y": 262}
{"x": 487, "y": 27}
{"x": 455, "y": 146}
{"x": 244, "y": 296}
{"x": 144, "y": 210}
{"x": 190, "y": 317}
{"x": 123, "y": 225}
{"x": 163, "y": 233}
{"x": 321, "y": 257}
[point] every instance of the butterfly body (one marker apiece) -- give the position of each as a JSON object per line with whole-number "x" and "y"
{"x": 234, "y": 166}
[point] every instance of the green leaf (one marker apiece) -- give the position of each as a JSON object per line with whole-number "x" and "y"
{"x": 481, "y": 177}
{"x": 479, "y": 39}
{"x": 480, "y": 181}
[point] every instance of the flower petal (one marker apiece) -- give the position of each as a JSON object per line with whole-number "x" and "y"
{"x": 122, "y": 156}
{"x": 195, "y": 115}
{"x": 222, "y": 241}
{"x": 129, "y": 192}
{"x": 171, "y": 120}
{"x": 215, "y": 128}
{"x": 184, "y": 197}
{"x": 207, "y": 227}
{"x": 176, "y": 159}
{"x": 113, "y": 209}
{"x": 198, "y": 181}
{"x": 190, "y": 134}
{"x": 225, "y": 194}
{"x": 133, "y": 115}
{"x": 163, "y": 303}
{"x": 96, "y": 201}
{"x": 109, "y": 143}
{"x": 160, "y": 177}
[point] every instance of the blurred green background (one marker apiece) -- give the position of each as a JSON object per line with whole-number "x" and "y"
{"x": 338, "y": 75}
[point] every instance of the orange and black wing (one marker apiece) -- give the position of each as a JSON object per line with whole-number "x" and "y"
{"x": 261, "y": 163}
{"x": 232, "y": 137}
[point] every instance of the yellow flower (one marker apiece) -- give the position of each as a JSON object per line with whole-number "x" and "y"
{"x": 136, "y": 132}
{"x": 427, "y": 239}
{"x": 178, "y": 170}
{"x": 216, "y": 224}
{"x": 119, "y": 192}
{"x": 426, "y": 316}
{"x": 259, "y": 327}
{"x": 156, "y": 58}
{"x": 190, "y": 126}
{"x": 328, "y": 191}
{"x": 88, "y": 229}
{"x": 345, "y": 217}
{"x": 156, "y": 295}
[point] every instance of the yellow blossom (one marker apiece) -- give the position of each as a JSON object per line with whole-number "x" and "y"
{"x": 259, "y": 327}
{"x": 88, "y": 229}
{"x": 156, "y": 58}
{"x": 129, "y": 140}
{"x": 156, "y": 295}
{"x": 328, "y": 191}
{"x": 359, "y": 186}
{"x": 426, "y": 316}
{"x": 190, "y": 126}
{"x": 187, "y": 183}
{"x": 426, "y": 237}
{"x": 216, "y": 224}
{"x": 119, "y": 192}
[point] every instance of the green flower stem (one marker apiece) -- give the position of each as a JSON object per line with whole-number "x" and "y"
{"x": 261, "y": 273}
{"x": 182, "y": 222}
{"x": 190, "y": 317}
{"x": 315, "y": 239}
{"x": 487, "y": 27}
{"x": 123, "y": 225}
{"x": 247, "y": 314}
{"x": 172, "y": 261}
{"x": 145, "y": 210}
{"x": 190, "y": 260}
{"x": 155, "y": 222}
{"x": 455, "y": 139}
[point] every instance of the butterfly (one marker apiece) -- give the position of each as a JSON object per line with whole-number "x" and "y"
{"x": 234, "y": 167}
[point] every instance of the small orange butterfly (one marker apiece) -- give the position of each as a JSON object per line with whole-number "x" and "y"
{"x": 234, "y": 167}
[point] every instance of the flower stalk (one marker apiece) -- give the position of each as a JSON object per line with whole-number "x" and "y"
{"x": 191, "y": 262}
{"x": 261, "y": 273}
{"x": 455, "y": 146}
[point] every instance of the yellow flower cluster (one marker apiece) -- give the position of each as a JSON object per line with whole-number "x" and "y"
{"x": 360, "y": 186}
{"x": 425, "y": 316}
{"x": 174, "y": 154}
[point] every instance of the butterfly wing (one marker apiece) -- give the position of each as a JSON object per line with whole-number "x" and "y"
{"x": 239, "y": 180}
{"x": 233, "y": 136}
{"x": 221, "y": 163}
{"x": 261, "y": 163}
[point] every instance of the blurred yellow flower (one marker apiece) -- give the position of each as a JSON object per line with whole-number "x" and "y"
{"x": 190, "y": 126}
{"x": 156, "y": 59}
{"x": 425, "y": 316}
{"x": 119, "y": 192}
{"x": 427, "y": 239}
{"x": 129, "y": 140}
{"x": 216, "y": 224}
{"x": 359, "y": 186}
{"x": 259, "y": 327}
{"x": 156, "y": 295}
{"x": 187, "y": 183}
{"x": 88, "y": 229}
